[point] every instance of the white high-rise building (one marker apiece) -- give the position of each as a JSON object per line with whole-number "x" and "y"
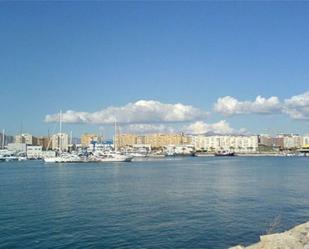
{"x": 236, "y": 143}
{"x": 305, "y": 140}
{"x": 60, "y": 141}
{"x": 291, "y": 141}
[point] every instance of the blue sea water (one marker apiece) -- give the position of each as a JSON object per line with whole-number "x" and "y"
{"x": 179, "y": 203}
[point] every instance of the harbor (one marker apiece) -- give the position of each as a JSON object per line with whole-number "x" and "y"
{"x": 154, "y": 124}
{"x": 59, "y": 148}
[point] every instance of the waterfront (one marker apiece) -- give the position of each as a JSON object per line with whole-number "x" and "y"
{"x": 178, "y": 203}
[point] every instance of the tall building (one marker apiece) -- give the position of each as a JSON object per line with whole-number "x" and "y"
{"x": 266, "y": 140}
{"x": 88, "y": 138}
{"x": 240, "y": 144}
{"x": 140, "y": 140}
{"x": 154, "y": 140}
{"x": 278, "y": 142}
{"x": 26, "y": 138}
{"x": 161, "y": 140}
{"x": 305, "y": 141}
{"x": 124, "y": 140}
{"x": 291, "y": 141}
{"x": 271, "y": 141}
{"x": 60, "y": 141}
{"x": 45, "y": 142}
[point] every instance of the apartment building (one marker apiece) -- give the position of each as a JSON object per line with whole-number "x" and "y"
{"x": 60, "y": 141}
{"x": 240, "y": 144}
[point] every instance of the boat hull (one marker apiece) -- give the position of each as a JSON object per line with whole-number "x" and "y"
{"x": 225, "y": 154}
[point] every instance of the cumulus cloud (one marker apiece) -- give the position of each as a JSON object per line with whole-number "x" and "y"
{"x": 147, "y": 128}
{"x": 200, "y": 127}
{"x": 142, "y": 111}
{"x": 230, "y": 106}
{"x": 297, "y": 107}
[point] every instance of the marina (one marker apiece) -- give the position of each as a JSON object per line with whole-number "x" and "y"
{"x": 154, "y": 125}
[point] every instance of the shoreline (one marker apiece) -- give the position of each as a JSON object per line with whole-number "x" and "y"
{"x": 296, "y": 238}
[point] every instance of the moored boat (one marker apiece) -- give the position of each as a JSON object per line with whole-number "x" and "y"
{"x": 225, "y": 153}
{"x": 111, "y": 157}
{"x": 64, "y": 158}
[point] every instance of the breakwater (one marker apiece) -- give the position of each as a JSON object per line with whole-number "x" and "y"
{"x": 296, "y": 238}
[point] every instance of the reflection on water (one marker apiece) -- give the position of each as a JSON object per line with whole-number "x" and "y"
{"x": 187, "y": 203}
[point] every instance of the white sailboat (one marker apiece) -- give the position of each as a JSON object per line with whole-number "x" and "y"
{"x": 6, "y": 155}
{"x": 112, "y": 156}
{"x": 2, "y": 151}
{"x": 62, "y": 157}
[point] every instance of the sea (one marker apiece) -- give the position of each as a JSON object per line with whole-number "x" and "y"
{"x": 193, "y": 202}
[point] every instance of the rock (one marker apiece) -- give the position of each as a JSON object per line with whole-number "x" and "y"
{"x": 295, "y": 238}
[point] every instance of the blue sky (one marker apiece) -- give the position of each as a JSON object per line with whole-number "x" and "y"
{"x": 87, "y": 56}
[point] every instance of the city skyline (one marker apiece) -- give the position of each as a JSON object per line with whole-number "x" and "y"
{"x": 202, "y": 67}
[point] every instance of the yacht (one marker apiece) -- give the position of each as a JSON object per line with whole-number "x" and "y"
{"x": 64, "y": 158}
{"x": 137, "y": 154}
{"x": 111, "y": 157}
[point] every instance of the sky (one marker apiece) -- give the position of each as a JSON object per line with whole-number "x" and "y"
{"x": 226, "y": 67}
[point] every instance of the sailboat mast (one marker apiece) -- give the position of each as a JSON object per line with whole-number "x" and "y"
{"x": 71, "y": 137}
{"x": 60, "y": 130}
{"x": 3, "y": 137}
{"x": 115, "y": 139}
{"x": 60, "y": 121}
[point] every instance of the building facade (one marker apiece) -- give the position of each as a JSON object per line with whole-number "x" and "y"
{"x": 305, "y": 141}
{"x": 124, "y": 140}
{"x": 45, "y": 142}
{"x": 87, "y": 138}
{"x": 154, "y": 140}
{"x": 240, "y": 144}
{"x": 34, "y": 152}
{"x": 26, "y": 138}
{"x": 271, "y": 141}
{"x": 291, "y": 141}
{"x": 17, "y": 147}
{"x": 60, "y": 142}
{"x": 161, "y": 140}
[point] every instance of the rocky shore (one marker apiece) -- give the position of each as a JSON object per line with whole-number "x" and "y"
{"x": 295, "y": 238}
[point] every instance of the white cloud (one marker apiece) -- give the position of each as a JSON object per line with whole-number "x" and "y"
{"x": 297, "y": 107}
{"x": 147, "y": 129}
{"x": 230, "y": 106}
{"x": 200, "y": 127}
{"x": 142, "y": 111}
